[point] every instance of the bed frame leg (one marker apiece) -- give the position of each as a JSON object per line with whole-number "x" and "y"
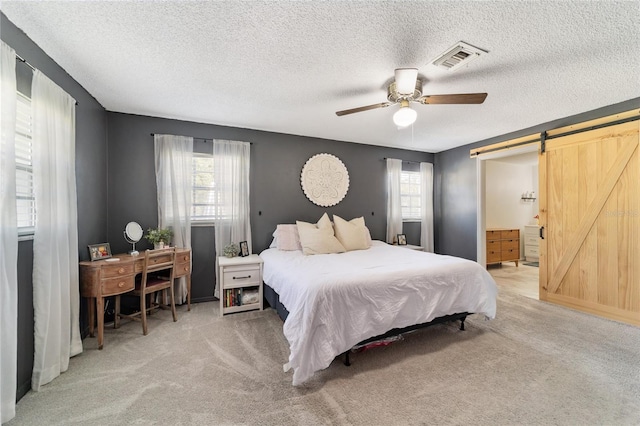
{"x": 462, "y": 323}
{"x": 347, "y": 362}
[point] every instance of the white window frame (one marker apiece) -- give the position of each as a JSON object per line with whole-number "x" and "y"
{"x": 202, "y": 219}
{"x": 25, "y": 193}
{"x": 410, "y": 196}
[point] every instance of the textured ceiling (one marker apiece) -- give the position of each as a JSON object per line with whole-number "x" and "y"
{"x": 287, "y": 66}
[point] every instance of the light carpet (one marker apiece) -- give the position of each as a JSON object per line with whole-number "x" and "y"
{"x": 536, "y": 364}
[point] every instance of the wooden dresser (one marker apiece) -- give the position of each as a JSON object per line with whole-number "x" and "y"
{"x": 503, "y": 245}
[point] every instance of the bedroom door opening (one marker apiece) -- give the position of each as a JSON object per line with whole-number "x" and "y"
{"x": 507, "y": 200}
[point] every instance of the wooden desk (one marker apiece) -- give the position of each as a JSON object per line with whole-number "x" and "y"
{"x": 104, "y": 278}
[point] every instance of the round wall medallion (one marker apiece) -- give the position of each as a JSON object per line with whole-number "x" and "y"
{"x": 325, "y": 180}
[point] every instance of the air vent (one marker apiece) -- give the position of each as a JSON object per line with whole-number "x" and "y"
{"x": 461, "y": 53}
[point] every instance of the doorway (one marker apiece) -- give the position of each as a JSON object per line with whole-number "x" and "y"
{"x": 507, "y": 200}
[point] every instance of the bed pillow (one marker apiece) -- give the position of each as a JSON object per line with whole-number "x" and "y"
{"x": 318, "y": 238}
{"x": 352, "y": 234}
{"x": 287, "y": 237}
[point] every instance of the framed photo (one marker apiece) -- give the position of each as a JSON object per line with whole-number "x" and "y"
{"x": 402, "y": 240}
{"x": 244, "y": 249}
{"x": 99, "y": 251}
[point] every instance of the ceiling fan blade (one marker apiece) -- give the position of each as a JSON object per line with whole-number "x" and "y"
{"x": 363, "y": 108}
{"x": 461, "y": 98}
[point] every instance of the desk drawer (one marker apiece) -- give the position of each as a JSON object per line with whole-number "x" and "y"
{"x": 117, "y": 270}
{"x": 117, "y": 285}
{"x": 241, "y": 276}
{"x": 182, "y": 269}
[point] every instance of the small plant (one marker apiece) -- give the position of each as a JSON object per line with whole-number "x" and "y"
{"x": 160, "y": 235}
{"x": 231, "y": 250}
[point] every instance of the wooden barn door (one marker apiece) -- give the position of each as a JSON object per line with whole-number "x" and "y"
{"x": 590, "y": 210}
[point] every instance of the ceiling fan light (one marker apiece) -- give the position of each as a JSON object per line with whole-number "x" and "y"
{"x": 405, "y": 116}
{"x": 406, "y": 80}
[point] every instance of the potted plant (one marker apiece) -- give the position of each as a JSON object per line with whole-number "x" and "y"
{"x": 231, "y": 250}
{"x": 159, "y": 237}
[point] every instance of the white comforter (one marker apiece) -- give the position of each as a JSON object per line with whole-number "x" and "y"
{"x": 337, "y": 300}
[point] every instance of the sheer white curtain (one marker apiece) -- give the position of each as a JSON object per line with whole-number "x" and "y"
{"x": 174, "y": 178}
{"x": 8, "y": 235}
{"x": 56, "y": 295}
{"x": 394, "y": 206}
{"x": 231, "y": 176}
{"x": 426, "y": 195}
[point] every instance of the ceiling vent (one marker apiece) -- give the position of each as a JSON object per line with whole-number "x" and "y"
{"x": 458, "y": 55}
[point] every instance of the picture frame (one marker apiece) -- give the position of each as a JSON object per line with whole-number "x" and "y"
{"x": 99, "y": 251}
{"x": 402, "y": 240}
{"x": 244, "y": 249}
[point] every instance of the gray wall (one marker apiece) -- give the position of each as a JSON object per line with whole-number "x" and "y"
{"x": 276, "y": 194}
{"x": 91, "y": 175}
{"x": 455, "y": 184}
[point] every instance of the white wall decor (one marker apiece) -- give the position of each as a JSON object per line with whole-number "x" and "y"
{"x": 325, "y": 180}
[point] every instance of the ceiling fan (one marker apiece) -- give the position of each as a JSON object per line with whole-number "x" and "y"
{"x": 407, "y": 88}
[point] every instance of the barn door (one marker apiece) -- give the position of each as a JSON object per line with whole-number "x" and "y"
{"x": 590, "y": 210}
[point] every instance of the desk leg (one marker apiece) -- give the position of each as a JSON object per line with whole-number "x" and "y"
{"x": 189, "y": 292}
{"x": 92, "y": 315}
{"x": 100, "y": 315}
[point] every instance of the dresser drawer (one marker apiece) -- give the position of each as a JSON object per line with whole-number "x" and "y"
{"x": 494, "y": 257}
{"x": 493, "y": 235}
{"x": 514, "y": 233}
{"x": 494, "y": 246}
{"x": 510, "y": 244}
{"x": 117, "y": 270}
{"x": 241, "y": 276}
{"x": 512, "y": 254}
{"x": 117, "y": 285}
{"x": 530, "y": 251}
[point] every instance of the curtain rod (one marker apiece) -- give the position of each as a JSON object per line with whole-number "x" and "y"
{"x": 204, "y": 139}
{"x": 405, "y": 161}
{"x": 24, "y": 61}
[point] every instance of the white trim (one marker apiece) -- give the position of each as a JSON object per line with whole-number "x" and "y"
{"x": 481, "y": 192}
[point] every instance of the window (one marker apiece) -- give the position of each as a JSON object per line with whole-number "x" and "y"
{"x": 410, "y": 199}
{"x": 25, "y": 196}
{"x": 204, "y": 205}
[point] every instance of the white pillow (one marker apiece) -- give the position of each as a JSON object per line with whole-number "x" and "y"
{"x": 353, "y": 234}
{"x": 318, "y": 238}
{"x": 287, "y": 238}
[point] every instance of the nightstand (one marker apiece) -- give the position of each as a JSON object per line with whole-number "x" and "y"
{"x": 240, "y": 283}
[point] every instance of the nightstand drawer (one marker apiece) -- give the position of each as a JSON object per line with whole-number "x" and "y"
{"x": 117, "y": 285}
{"x": 531, "y": 241}
{"x": 241, "y": 276}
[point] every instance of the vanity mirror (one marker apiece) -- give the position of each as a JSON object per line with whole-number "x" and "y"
{"x": 133, "y": 234}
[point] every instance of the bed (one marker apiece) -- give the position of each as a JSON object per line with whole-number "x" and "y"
{"x": 335, "y": 301}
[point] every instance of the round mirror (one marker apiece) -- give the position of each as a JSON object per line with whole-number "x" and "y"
{"x": 133, "y": 234}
